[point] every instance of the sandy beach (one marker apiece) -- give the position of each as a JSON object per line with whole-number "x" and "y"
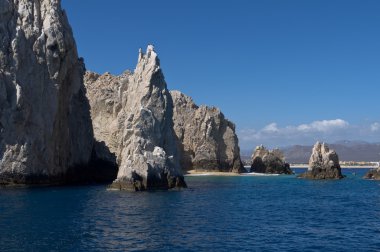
{"x": 215, "y": 173}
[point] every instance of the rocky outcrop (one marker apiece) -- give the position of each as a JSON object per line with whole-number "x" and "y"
{"x": 373, "y": 174}
{"x": 45, "y": 127}
{"x": 205, "y": 138}
{"x": 132, "y": 115}
{"x": 323, "y": 164}
{"x": 106, "y": 104}
{"x": 269, "y": 161}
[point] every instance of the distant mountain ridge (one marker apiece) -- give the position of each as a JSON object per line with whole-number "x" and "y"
{"x": 347, "y": 150}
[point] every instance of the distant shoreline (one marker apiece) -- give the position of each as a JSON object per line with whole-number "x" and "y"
{"x": 295, "y": 166}
{"x": 195, "y": 173}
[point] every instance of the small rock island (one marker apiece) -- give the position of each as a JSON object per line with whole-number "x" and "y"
{"x": 323, "y": 164}
{"x": 269, "y": 161}
{"x": 373, "y": 174}
{"x": 206, "y": 140}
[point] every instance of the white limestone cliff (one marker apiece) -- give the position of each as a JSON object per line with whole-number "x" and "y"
{"x": 45, "y": 127}
{"x": 205, "y": 138}
{"x": 132, "y": 114}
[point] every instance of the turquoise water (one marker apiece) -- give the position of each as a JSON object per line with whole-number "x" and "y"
{"x": 216, "y": 214}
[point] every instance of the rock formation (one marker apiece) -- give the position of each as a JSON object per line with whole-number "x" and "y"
{"x": 103, "y": 94}
{"x": 132, "y": 115}
{"x": 373, "y": 174}
{"x": 205, "y": 138}
{"x": 323, "y": 164}
{"x": 45, "y": 126}
{"x": 269, "y": 161}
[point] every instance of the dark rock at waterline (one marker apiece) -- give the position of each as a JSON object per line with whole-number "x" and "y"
{"x": 373, "y": 174}
{"x": 138, "y": 183}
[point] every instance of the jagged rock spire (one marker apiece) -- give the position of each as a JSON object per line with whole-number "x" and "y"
{"x": 323, "y": 163}
{"x": 139, "y": 112}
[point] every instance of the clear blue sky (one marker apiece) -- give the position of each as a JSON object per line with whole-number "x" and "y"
{"x": 273, "y": 67}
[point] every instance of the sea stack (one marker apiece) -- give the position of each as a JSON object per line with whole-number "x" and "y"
{"x": 132, "y": 114}
{"x": 206, "y": 139}
{"x": 373, "y": 174}
{"x": 46, "y": 135}
{"x": 269, "y": 161}
{"x": 323, "y": 164}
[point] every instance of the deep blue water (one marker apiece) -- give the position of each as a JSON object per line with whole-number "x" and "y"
{"x": 216, "y": 214}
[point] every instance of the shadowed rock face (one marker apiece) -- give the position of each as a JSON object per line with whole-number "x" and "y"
{"x": 45, "y": 126}
{"x": 132, "y": 114}
{"x": 269, "y": 161}
{"x": 103, "y": 93}
{"x": 205, "y": 138}
{"x": 323, "y": 164}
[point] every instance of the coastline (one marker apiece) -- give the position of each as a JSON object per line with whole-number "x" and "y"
{"x": 195, "y": 173}
{"x": 295, "y": 166}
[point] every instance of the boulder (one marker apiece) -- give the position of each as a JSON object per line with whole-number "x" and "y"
{"x": 269, "y": 161}
{"x": 132, "y": 115}
{"x": 373, "y": 174}
{"x": 46, "y": 135}
{"x": 323, "y": 164}
{"x": 206, "y": 139}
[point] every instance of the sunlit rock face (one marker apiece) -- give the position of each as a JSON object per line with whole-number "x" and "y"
{"x": 269, "y": 161}
{"x": 132, "y": 115}
{"x": 205, "y": 138}
{"x": 45, "y": 126}
{"x": 323, "y": 163}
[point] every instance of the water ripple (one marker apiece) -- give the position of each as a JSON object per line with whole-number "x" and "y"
{"x": 216, "y": 214}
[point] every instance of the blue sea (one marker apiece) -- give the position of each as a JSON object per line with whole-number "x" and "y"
{"x": 242, "y": 213}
